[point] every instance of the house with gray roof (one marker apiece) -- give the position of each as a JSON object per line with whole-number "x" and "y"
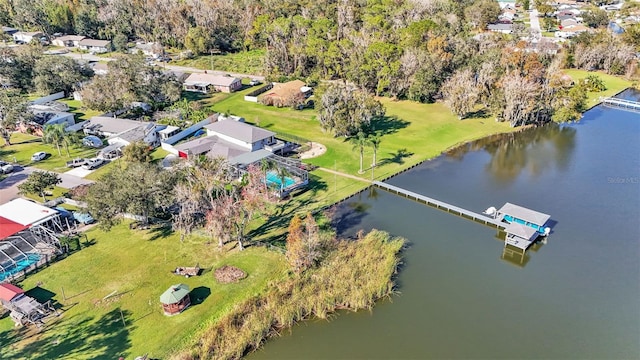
{"x": 206, "y": 83}
{"x": 122, "y": 132}
{"x": 244, "y": 135}
{"x": 95, "y": 46}
{"x": 501, "y": 28}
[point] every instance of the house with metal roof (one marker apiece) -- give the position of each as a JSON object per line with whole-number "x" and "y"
{"x": 206, "y": 83}
{"x": 68, "y": 40}
{"x": 95, "y": 46}
{"x": 175, "y": 299}
{"x": 244, "y": 135}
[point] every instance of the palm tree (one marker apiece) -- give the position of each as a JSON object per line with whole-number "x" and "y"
{"x": 359, "y": 142}
{"x": 265, "y": 166}
{"x": 54, "y": 134}
{"x": 282, "y": 173}
{"x": 375, "y": 141}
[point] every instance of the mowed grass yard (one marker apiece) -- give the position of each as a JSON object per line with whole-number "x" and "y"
{"x": 413, "y": 132}
{"x": 613, "y": 83}
{"x": 245, "y": 62}
{"x": 135, "y": 267}
{"x": 24, "y": 145}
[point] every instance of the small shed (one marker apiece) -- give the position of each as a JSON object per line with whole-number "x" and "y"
{"x": 9, "y": 292}
{"x": 175, "y": 299}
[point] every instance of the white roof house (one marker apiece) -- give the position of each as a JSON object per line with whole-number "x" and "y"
{"x": 25, "y": 212}
{"x": 27, "y": 37}
{"x": 68, "y": 40}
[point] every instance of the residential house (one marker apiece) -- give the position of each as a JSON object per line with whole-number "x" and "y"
{"x": 567, "y": 23}
{"x": 26, "y": 37}
{"x": 95, "y": 46}
{"x": 507, "y": 3}
{"x": 571, "y": 31}
{"x": 68, "y": 41}
{"x": 121, "y": 132}
{"x": 205, "y": 83}
{"x": 9, "y": 30}
{"x": 247, "y": 136}
{"x": 501, "y": 28}
{"x": 232, "y": 139}
{"x": 100, "y": 68}
{"x": 286, "y": 94}
{"x": 152, "y": 49}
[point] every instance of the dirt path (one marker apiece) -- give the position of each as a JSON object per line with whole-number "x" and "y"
{"x": 316, "y": 150}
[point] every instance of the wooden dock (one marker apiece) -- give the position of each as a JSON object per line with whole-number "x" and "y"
{"x": 441, "y": 205}
{"x": 622, "y": 103}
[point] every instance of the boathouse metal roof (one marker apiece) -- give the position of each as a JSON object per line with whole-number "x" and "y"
{"x": 522, "y": 231}
{"x": 525, "y": 214}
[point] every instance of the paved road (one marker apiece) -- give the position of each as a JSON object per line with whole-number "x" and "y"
{"x": 535, "y": 23}
{"x": 9, "y": 186}
{"x": 186, "y": 69}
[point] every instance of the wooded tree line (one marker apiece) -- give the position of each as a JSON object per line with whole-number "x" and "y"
{"x": 408, "y": 49}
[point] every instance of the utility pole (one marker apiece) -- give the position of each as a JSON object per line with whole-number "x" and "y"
{"x": 211, "y": 58}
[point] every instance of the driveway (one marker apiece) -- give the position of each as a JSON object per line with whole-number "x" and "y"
{"x": 79, "y": 172}
{"x": 9, "y": 186}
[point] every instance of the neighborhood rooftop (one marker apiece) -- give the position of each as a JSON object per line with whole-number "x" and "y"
{"x": 112, "y": 125}
{"x": 209, "y": 79}
{"x": 93, "y": 42}
{"x": 25, "y": 212}
{"x": 239, "y": 130}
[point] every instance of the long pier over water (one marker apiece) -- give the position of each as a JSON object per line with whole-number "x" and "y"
{"x": 442, "y": 205}
{"x": 622, "y": 103}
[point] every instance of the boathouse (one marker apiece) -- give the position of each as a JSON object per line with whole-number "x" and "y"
{"x": 523, "y": 226}
{"x": 175, "y": 299}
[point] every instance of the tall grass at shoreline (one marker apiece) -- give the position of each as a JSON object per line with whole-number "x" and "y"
{"x": 366, "y": 267}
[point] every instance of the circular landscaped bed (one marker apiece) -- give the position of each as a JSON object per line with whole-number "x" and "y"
{"x": 229, "y": 274}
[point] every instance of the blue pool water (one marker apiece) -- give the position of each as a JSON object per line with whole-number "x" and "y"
{"x": 20, "y": 265}
{"x": 275, "y": 181}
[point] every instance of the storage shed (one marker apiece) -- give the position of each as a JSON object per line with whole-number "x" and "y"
{"x": 175, "y": 299}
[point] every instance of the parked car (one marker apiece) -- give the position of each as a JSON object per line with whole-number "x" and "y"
{"x": 6, "y": 168}
{"x": 40, "y": 155}
{"x": 92, "y": 141}
{"x": 76, "y": 162}
{"x": 255, "y": 82}
{"x": 93, "y": 163}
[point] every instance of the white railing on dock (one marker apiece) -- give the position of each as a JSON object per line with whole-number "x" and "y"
{"x": 622, "y": 103}
{"x": 441, "y": 205}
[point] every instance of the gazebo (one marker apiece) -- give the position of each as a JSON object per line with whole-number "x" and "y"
{"x": 175, "y": 299}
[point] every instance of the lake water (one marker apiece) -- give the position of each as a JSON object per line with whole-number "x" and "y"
{"x": 577, "y": 296}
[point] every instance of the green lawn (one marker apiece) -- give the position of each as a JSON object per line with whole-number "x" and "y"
{"x": 414, "y": 132}
{"x": 139, "y": 265}
{"x": 24, "y": 145}
{"x": 249, "y": 62}
{"x": 55, "y": 192}
{"x": 156, "y": 156}
{"x": 613, "y": 83}
{"x": 81, "y": 113}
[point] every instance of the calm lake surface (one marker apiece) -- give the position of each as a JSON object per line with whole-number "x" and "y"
{"x": 578, "y": 296}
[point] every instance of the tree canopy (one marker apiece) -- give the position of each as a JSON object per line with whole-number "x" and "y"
{"x": 139, "y": 189}
{"x": 59, "y": 73}
{"x": 39, "y": 181}
{"x": 345, "y": 110}
{"x": 13, "y": 110}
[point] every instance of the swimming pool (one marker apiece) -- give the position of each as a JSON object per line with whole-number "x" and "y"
{"x": 21, "y": 264}
{"x": 274, "y": 180}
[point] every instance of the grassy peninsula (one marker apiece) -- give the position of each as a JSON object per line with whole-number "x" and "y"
{"x": 366, "y": 269}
